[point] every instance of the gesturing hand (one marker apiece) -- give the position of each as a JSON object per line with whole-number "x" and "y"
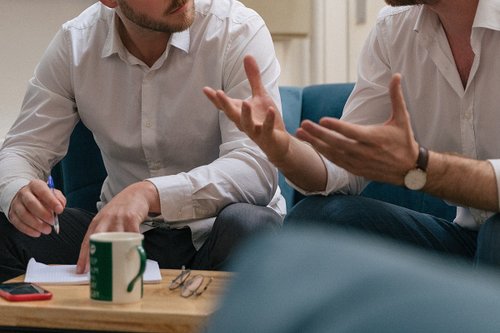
{"x": 258, "y": 117}
{"x": 378, "y": 152}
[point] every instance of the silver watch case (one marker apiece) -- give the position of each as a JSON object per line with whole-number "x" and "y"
{"x": 415, "y": 179}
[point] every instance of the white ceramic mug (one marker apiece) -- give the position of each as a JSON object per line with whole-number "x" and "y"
{"x": 117, "y": 263}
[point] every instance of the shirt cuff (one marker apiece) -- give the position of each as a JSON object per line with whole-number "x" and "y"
{"x": 496, "y": 167}
{"x": 175, "y": 197}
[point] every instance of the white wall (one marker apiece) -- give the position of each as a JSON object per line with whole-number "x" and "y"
{"x": 338, "y": 36}
{"x": 290, "y": 24}
{"x": 358, "y": 31}
{"x": 26, "y": 28}
{"x": 318, "y": 41}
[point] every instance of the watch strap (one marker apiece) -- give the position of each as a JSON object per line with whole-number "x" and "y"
{"x": 423, "y": 158}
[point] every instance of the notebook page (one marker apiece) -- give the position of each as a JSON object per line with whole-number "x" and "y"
{"x": 66, "y": 274}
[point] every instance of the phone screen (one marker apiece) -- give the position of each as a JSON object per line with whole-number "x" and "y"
{"x": 19, "y": 288}
{"x": 23, "y": 291}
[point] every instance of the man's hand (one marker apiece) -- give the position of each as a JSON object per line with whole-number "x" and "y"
{"x": 125, "y": 212}
{"x": 33, "y": 207}
{"x": 378, "y": 152}
{"x": 258, "y": 117}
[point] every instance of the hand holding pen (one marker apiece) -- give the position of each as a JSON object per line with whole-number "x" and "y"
{"x": 50, "y": 183}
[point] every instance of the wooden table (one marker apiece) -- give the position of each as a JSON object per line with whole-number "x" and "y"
{"x": 161, "y": 309}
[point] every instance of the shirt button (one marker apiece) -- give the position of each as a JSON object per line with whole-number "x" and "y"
{"x": 148, "y": 124}
{"x": 468, "y": 116}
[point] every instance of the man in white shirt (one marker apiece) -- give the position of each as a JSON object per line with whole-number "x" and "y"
{"x": 133, "y": 72}
{"x": 443, "y": 141}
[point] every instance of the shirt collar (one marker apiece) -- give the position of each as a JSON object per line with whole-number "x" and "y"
{"x": 114, "y": 44}
{"x": 427, "y": 21}
{"x": 181, "y": 40}
{"x": 488, "y": 15}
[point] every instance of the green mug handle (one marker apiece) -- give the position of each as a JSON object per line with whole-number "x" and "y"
{"x": 142, "y": 268}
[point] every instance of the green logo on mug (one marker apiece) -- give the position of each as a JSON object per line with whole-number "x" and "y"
{"x": 101, "y": 271}
{"x": 117, "y": 263}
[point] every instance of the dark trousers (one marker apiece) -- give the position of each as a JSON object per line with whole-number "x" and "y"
{"x": 172, "y": 248}
{"x": 401, "y": 224}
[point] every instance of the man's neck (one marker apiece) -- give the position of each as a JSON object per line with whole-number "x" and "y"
{"x": 144, "y": 44}
{"x": 457, "y": 17}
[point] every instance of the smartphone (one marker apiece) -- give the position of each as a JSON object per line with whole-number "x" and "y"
{"x": 23, "y": 291}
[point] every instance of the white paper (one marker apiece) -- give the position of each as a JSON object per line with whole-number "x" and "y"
{"x": 66, "y": 274}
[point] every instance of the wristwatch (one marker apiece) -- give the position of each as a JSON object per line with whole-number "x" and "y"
{"x": 416, "y": 178}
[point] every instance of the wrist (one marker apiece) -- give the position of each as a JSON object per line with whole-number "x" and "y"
{"x": 150, "y": 193}
{"x": 281, "y": 158}
{"x": 416, "y": 178}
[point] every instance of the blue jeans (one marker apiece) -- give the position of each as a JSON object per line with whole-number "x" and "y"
{"x": 401, "y": 224}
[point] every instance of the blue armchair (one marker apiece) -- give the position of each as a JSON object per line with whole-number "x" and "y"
{"x": 81, "y": 173}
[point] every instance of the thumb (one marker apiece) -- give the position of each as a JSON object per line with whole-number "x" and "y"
{"x": 399, "y": 111}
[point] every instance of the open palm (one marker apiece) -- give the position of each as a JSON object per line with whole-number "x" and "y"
{"x": 258, "y": 116}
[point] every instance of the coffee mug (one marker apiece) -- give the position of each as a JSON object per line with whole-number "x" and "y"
{"x": 117, "y": 263}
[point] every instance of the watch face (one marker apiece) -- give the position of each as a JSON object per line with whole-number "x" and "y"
{"x": 415, "y": 179}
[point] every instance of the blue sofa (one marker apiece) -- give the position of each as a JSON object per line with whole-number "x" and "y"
{"x": 81, "y": 173}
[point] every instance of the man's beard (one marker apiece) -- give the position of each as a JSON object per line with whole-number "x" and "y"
{"x": 148, "y": 23}
{"x": 396, "y": 3}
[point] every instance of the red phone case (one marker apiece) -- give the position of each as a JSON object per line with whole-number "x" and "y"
{"x": 26, "y": 297}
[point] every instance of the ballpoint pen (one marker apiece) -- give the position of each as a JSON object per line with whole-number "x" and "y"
{"x": 50, "y": 182}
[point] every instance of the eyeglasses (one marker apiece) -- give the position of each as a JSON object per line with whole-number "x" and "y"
{"x": 190, "y": 286}
{"x": 157, "y": 223}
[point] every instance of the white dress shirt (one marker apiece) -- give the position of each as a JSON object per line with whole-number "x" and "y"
{"x": 151, "y": 123}
{"x": 445, "y": 117}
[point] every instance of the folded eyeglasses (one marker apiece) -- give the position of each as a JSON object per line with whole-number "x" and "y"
{"x": 194, "y": 285}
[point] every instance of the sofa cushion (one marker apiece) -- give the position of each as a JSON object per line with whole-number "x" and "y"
{"x": 325, "y": 100}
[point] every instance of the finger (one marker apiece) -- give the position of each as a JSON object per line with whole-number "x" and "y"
{"x": 229, "y": 107}
{"x": 253, "y": 73}
{"x": 335, "y": 153}
{"x": 311, "y": 139}
{"x": 212, "y": 96}
{"x": 322, "y": 133}
{"x": 26, "y": 229}
{"x": 326, "y": 141}
{"x": 247, "y": 123}
{"x": 33, "y": 212}
{"x": 399, "y": 111}
{"x": 28, "y": 224}
{"x": 268, "y": 125}
{"x": 45, "y": 201}
{"x": 351, "y": 131}
{"x": 82, "y": 265}
{"x": 62, "y": 199}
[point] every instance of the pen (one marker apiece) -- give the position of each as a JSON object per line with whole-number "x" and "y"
{"x": 50, "y": 182}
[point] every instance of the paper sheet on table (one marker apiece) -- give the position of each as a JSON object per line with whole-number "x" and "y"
{"x": 66, "y": 274}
